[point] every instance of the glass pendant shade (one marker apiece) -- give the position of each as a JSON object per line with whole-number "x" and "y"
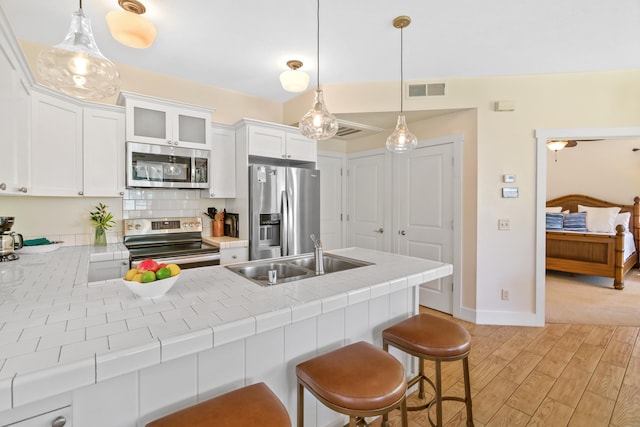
{"x": 401, "y": 139}
{"x": 318, "y": 123}
{"x": 131, "y": 29}
{"x": 76, "y": 67}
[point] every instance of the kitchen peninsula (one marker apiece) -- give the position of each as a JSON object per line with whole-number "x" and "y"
{"x": 100, "y": 356}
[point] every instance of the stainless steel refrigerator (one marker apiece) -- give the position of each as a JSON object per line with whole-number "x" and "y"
{"x": 284, "y": 209}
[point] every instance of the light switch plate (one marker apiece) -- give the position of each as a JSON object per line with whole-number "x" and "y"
{"x": 508, "y": 178}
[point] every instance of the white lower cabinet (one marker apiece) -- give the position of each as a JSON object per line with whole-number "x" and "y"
{"x": 59, "y": 418}
{"x": 106, "y": 270}
{"x": 233, "y": 255}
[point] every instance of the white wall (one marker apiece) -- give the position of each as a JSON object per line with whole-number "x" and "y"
{"x": 607, "y": 170}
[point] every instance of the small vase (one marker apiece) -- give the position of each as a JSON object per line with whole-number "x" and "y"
{"x": 100, "y": 237}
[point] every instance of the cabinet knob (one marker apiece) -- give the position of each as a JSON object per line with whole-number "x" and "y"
{"x": 234, "y": 256}
{"x": 80, "y": 193}
{"x": 125, "y": 262}
{"x": 379, "y": 230}
{"x": 288, "y": 156}
{"x": 402, "y": 233}
{"x": 3, "y": 186}
{"x": 59, "y": 422}
{"x": 213, "y": 194}
{"x": 22, "y": 189}
{"x": 122, "y": 193}
{"x": 169, "y": 142}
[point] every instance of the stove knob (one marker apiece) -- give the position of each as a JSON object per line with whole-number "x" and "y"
{"x": 138, "y": 226}
{"x": 129, "y": 227}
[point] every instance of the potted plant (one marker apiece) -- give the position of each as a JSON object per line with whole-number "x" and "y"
{"x": 102, "y": 220}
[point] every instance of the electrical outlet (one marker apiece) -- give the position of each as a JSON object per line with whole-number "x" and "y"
{"x": 505, "y": 295}
{"x": 504, "y": 224}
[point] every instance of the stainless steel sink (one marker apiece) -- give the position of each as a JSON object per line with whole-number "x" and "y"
{"x": 292, "y": 268}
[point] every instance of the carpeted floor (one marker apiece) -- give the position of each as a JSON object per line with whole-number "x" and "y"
{"x": 592, "y": 299}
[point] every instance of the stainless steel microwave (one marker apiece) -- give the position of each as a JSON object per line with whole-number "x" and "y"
{"x": 160, "y": 166}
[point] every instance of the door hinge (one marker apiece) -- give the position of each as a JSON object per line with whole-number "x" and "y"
{"x": 340, "y": 217}
{"x": 340, "y": 171}
{"x": 347, "y": 217}
{"x": 452, "y": 224}
{"x": 451, "y": 287}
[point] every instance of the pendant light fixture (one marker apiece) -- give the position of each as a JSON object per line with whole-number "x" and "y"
{"x": 318, "y": 123}
{"x": 401, "y": 140}
{"x": 129, "y": 27}
{"x": 75, "y": 66}
{"x": 294, "y": 80}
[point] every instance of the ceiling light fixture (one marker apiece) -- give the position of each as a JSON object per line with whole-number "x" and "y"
{"x": 294, "y": 80}
{"x": 318, "y": 123}
{"x": 75, "y": 66}
{"x": 401, "y": 140}
{"x": 555, "y": 145}
{"x": 129, "y": 27}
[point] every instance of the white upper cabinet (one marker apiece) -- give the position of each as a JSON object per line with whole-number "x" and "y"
{"x": 223, "y": 162}
{"x": 280, "y": 142}
{"x": 104, "y": 152}
{"x": 156, "y": 121}
{"x": 14, "y": 124}
{"x": 56, "y": 146}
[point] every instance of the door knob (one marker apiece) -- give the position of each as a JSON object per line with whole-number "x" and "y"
{"x": 379, "y": 230}
{"x": 402, "y": 233}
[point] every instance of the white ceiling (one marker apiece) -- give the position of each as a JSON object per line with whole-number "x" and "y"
{"x": 243, "y": 45}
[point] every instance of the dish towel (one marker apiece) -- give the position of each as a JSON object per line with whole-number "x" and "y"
{"x": 37, "y": 242}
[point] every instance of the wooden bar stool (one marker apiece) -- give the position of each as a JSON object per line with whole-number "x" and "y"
{"x": 254, "y": 405}
{"x": 359, "y": 380}
{"x": 433, "y": 338}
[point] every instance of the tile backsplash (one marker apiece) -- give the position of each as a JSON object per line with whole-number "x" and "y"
{"x": 150, "y": 203}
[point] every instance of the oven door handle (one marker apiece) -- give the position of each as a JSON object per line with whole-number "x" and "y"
{"x": 186, "y": 259}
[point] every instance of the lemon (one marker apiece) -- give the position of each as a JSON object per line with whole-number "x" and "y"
{"x": 130, "y": 274}
{"x": 148, "y": 276}
{"x": 137, "y": 278}
{"x": 174, "y": 269}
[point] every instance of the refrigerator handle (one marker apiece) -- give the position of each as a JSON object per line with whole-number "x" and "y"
{"x": 284, "y": 228}
{"x": 291, "y": 248}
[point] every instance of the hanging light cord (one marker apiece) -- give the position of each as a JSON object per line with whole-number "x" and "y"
{"x": 401, "y": 68}
{"x": 318, "y": 44}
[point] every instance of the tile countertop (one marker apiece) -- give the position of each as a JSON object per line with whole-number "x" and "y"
{"x": 59, "y": 333}
{"x": 224, "y": 242}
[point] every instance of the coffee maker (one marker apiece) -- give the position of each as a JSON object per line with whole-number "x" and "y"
{"x": 9, "y": 240}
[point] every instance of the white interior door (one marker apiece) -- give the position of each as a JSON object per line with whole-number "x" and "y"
{"x": 331, "y": 201}
{"x": 366, "y": 202}
{"x": 425, "y": 215}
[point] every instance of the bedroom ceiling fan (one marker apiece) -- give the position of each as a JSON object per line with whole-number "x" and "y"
{"x": 574, "y": 142}
{"x": 558, "y": 144}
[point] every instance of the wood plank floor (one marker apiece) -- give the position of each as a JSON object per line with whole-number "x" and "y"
{"x": 559, "y": 375}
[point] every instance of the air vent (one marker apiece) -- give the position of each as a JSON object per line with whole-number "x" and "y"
{"x": 351, "y": 130}
{"x": 420, "y": 90}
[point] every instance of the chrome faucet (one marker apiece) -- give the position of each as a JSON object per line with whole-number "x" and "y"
{"x": 318, "y": 254}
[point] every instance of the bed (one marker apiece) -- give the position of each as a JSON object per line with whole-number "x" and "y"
{"x": 599, "y": 254}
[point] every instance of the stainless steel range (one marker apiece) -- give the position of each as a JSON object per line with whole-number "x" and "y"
{"x": 169, "y": 240}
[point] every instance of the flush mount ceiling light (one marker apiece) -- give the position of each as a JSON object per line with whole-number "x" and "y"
{"x": 401, "y": 140}
{"x": 318, "y": 123}
{"x": 129, "y": 27}
{"x": 555, "y": 145}
{"x": 75, "y": 66}
{"x": 294, "y": 80}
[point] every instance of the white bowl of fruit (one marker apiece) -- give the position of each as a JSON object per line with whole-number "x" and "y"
{"x": 150, "y": 279}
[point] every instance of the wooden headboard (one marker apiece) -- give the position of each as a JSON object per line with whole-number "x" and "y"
{"x": 571, "y": 201}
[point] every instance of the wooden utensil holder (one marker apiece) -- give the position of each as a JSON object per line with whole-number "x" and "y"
{"x": 217, "y": 228}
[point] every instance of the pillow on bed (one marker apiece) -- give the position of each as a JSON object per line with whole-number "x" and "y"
{"x": 575, "y": 222}
{"x": 600, "y": 219}
{"x": 554, "y": 221}
{"x": 554, "y": 209}
{"x": 622, "y": 218}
